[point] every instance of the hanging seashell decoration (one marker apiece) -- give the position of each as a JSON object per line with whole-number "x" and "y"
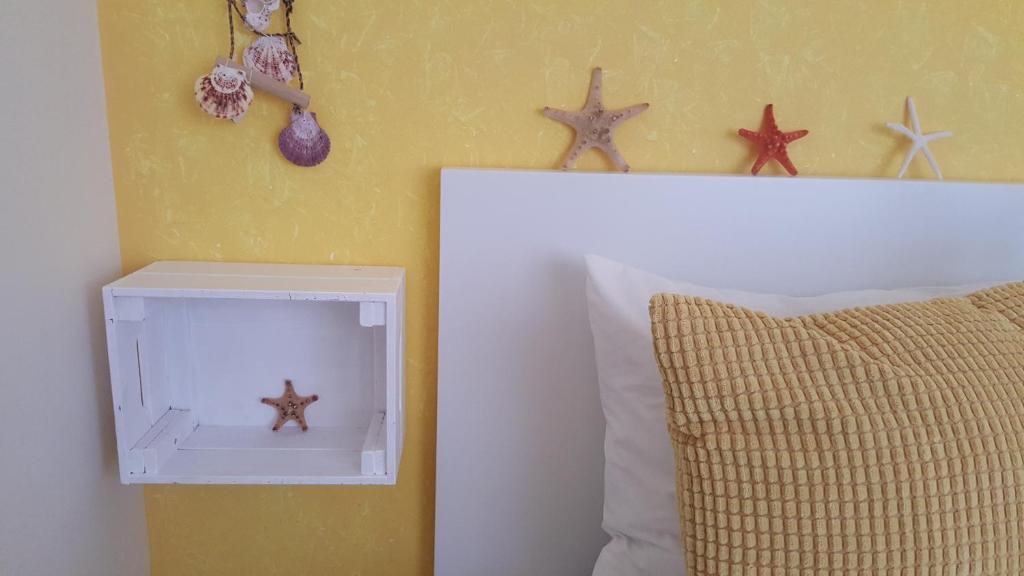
{"x": 257, "y": 13}
{"x": 269, "y": 64}
{"x": 224, "y": 93}
{"x": 303, "y": 142}
{"x": 270, "y": 55}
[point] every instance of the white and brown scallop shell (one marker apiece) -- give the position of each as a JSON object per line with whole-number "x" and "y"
{"x": 267, "y": 6}
{"x": 224, "y": 93}
{"x": 303, "y": 142}
{"x": 258, "y": 21}
{"x": 270, "y": 55}
{"x": 257, "y": 13}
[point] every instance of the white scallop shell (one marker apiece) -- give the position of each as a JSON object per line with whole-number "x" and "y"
{"x": 257, "y": 13}
{"x": 270, "y": 55}
{"x": 258, "y": 21}
{"x": 224, "y": 92}
{"x": 265, "y": 6}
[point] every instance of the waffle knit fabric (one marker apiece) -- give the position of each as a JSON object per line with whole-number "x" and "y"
{"x": 885, "y": 440}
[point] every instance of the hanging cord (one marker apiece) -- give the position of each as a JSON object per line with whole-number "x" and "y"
{"x": 231, "y": 29}
{"x": 292, "y": 40}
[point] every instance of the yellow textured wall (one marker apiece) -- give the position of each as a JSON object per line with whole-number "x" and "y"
{"x": 406, "y": 87}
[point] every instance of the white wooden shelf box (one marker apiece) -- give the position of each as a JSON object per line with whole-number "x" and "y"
{"x": 194, "y": 346}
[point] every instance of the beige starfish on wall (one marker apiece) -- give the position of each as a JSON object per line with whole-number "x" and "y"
{"x": 594, "y": 125}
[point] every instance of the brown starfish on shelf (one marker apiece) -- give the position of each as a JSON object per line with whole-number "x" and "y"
{"x": 594, "y": 125}
{"x": 290, "y": 406}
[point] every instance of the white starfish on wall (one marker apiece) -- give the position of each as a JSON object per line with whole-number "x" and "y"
{"x": 920, "y": 140}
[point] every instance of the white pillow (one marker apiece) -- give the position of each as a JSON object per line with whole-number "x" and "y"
{"x": 640, "y": 512}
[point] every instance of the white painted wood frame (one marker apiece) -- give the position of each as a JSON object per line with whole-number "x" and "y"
{"x": 193, "y": 346}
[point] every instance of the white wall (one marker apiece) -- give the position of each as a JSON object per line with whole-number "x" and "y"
{"x": 62, "y": 510}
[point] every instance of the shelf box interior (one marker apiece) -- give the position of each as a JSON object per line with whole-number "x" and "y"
{"x": 190, "y": 372}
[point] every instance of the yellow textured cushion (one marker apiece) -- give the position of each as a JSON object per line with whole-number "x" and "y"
{"x": 885, "y": 440}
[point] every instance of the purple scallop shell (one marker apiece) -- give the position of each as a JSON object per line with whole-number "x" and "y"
{"x": 303, "y": 142}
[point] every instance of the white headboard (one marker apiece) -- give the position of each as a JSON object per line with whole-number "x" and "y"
{"x": 519, "y": 425}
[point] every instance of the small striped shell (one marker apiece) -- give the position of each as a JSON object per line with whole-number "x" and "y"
{"x": 224, "y": 92}
{"x": 270, "y": 55}
{"x": 303, "y": 142}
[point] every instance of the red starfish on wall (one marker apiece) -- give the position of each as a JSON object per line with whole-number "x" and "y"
{"x": 771, "y": 142}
